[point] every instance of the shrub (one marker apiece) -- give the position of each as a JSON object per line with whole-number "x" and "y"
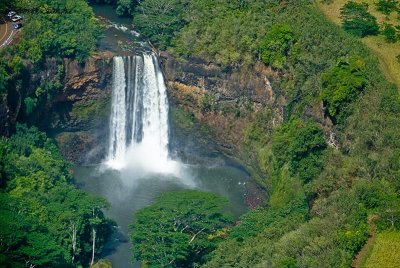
{"x": 341, "y": 86}
{"x": 276, "y": 45}
{"x": 387, "y": 6}
{"x": 357, "y": 20}
{"x": 391, "y": 33}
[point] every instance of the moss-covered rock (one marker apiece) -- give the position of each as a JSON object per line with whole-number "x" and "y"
{"x": 78, "y": 116}
{"x": 91, "y": 111}
{"x": 81, "y": 147}
{"x": 103, "y": 263}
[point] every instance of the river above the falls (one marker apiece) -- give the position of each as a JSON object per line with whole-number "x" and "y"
{"x": 127, "y": 194}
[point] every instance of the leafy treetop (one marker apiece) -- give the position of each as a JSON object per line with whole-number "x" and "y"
{"x": 175, "y": 230}
{"x": 357, "y": 20}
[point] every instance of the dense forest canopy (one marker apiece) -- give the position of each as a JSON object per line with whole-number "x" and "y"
{"x": 52, "y": 29}
{"x": 45, "y": 220}
{"x": 179, "y": 229}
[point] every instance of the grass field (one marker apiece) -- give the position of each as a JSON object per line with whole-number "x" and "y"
{"x": 385, "y": 251}
{"x": 386, "y": 52}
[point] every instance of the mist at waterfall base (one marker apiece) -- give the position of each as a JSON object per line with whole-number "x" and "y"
{"x": 138, "y": 167}
{"x": 139, "y": 135}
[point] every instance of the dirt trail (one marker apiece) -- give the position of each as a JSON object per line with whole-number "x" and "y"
{"x": 359, "y": 259}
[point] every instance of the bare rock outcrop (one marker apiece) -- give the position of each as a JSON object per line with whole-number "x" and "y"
{"x": 225, "y": 99}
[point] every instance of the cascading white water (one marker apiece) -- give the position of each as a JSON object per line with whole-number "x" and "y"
{"x": 139, "y": 116}
{"x": 117, "y": 148}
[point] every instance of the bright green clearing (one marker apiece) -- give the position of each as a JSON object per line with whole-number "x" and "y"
{"x": 385, "y": 252}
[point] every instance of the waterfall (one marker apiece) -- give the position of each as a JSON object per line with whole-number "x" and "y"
{"x": 139, "y": 113}
{"x": 118, "y": 113}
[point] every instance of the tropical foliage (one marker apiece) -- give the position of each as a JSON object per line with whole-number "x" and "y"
{"x": 276, "y": 45}
{"x": 330, "y": 165}
{"x": 179, "y": 229}
{"x": 45, "y": 220}
{"x": 160, "y": 19}
{"x": 320, "y": 196}
{"x": 57, "y": 28}
{"x": 357, "y": 20}
{"x": 342, "y": 85}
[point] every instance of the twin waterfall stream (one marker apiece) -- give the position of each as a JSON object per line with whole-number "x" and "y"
{"x": 139, "y": 115}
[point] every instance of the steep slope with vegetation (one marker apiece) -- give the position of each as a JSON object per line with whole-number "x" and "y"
{"x": 332, "y": 161}
{"x": 384, "y": 44}
{"x": 32, "y": 70}
{"x": 45, "y": 220}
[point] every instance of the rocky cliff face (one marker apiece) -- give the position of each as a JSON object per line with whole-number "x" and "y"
{"x": 79, "y": 115}
{"x": 222, "y": 101}
{"x": 226, "y": 100}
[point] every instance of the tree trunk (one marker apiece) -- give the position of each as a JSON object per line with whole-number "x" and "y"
{"x": 93, "y": 245}
{"x": 194, "y": 236}
{"x": 74, "y": 232}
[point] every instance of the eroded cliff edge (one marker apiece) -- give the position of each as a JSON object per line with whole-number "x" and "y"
{"x": 223, "y": 101}
{"x": 79, "y": 115}
{"x": 76, "y": 114}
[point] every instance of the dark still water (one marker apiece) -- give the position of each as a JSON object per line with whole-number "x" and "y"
{"x": 127, "y": 193}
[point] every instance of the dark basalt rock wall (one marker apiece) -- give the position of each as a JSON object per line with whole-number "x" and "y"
{"x": 78, "y": 117}
{"x": 224, "y": 99}
{"x": 251, "y": 82}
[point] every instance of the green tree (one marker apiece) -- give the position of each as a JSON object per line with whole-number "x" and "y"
{"x": 387, "y": 6}
{"x": 4, "y": 5}
{"x": 341, "y": 86}
{"x": 392, "y": 34}
{"x": 66, "y": 226}
{"x": 357, "y": 20}
{"x": 59, "y": 29}
{"x": 125, "y": 7}
{"x": 301, "y": 145}
{"x": 276, "y": 45}
{"x": 160, "y": 20}
{"x": 177, "y": 229}
{"x": 23, "y": 239}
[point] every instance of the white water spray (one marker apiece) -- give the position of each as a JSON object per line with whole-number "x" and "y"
{"x": 139, "y": 117}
